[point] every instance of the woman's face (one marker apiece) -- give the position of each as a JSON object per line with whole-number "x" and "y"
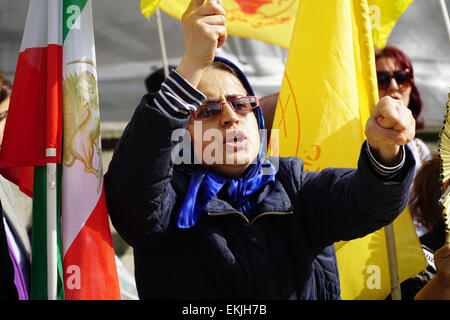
{"x": 227, "y": 142}
{"x": 394, "y": 90}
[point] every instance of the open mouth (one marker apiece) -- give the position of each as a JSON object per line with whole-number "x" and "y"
{"x": 234, "y": 138}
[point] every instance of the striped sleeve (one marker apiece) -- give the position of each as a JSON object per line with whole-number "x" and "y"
{"x": 177, "y": 96}
{"x": 384, "y": 170}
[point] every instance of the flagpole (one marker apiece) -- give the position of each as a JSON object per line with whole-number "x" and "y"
{"x": 392, "y": 261}
{"x": 446, "y": 17}
{"x": 53, "y": 37}
{"x": 162, "y": 43}
{"x": 51, "y": 229}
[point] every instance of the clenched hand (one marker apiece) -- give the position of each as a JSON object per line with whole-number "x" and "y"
{"x": 390, "y": 126}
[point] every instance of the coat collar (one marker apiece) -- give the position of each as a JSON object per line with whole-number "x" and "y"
{"x": 270, "y": 200}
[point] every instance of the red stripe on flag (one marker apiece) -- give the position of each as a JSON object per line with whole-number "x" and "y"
{"x": 54, "y": 102}
{"x": 24, "y": 139}
{"x": 35, "y": 115}
{"x": 90, "y": 271}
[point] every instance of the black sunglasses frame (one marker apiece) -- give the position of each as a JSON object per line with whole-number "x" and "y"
{"x": 403, "y": 78}
{"x": 230, "y": 102}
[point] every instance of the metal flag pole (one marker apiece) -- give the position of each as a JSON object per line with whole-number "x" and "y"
{"x": 392, "y": 261}
{"x": 54, "y": 36}
{"x": 162, "y": 43}
{"x": 446, "y": 17}
{"x": 51, "y": 228}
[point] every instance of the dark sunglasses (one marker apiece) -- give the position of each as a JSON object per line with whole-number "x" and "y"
{"x": 239, "y": 105}
{"x": 403, "y": 78}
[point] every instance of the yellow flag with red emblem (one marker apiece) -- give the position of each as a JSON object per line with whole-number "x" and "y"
{"x": 272, "y": 21}
{"x": 267, "y": 20}
{"x": 328, "y": 91}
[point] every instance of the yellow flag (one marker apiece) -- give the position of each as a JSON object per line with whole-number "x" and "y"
{"x": 328, "y": 91}
{"x": 149, "y": 6}
{"x": 273, "y": 21}
{"x": 267, "y": 20}
{"x": 384, "y": 15}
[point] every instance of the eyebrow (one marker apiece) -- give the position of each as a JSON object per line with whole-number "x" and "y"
{"x": 228, "y": 97}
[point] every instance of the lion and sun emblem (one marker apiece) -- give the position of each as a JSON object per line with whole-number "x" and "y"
{"x": 82, "y": 121}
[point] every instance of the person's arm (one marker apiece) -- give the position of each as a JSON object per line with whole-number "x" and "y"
{"x": 343, "y": 204}
{"x": 137, "y": 184}
{"x": 139, "y": 195}
{"x": 438, "y": 288}
{"x": 204, "y": 31}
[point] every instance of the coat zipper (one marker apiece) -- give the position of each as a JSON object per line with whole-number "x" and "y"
{"x": 245, "y": 218}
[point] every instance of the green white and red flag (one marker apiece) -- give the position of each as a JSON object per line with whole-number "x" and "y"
{"x": 55, "y": 87}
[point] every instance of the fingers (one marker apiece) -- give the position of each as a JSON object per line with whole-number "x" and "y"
{"x": 204, "y": 20}
{"x": 222, "y": 37}
{"x": 383, "y": 135}
{"x": 390, "y": 118}
{"x": 392, "y": 114}
{"x": 195, "y": 4}
{"x": 390, "y": 125}
{"x": 443, "y": 252}
{"x": 442, "y": 262}
{"x": 216, "y": 33}
{"x": 209, "y": 7}
{"x": 204, "y": 27}
{"x": 209, "y": 13}
{"x": 218, "y": 20}
{"x": 392, "y": 122}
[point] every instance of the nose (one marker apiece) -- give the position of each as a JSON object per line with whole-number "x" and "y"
{"x": 393, "y": 85}
{"x": 228, "y": 116}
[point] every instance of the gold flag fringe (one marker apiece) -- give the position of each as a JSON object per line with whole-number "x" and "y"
{"x": 444, "y": 156}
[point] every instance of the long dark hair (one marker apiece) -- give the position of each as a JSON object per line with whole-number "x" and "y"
{"x": 5, "y": 87}
{"x": 425, "y": 193}
{"x": 415, "y": 102}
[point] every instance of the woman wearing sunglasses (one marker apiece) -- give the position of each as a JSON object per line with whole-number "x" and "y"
{"x": 396, "y": 79}
{"x": 232, "y": 224}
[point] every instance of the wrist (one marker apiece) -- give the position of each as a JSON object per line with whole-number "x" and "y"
{"x": 385, "y": 170}
{"x": 192, "y": 68}
{"x": 388, "y": 155}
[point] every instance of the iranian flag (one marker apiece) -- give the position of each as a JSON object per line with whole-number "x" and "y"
{"x": 55, "y": 87}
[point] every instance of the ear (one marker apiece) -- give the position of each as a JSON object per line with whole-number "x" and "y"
{"x": 268, "y": 105}
{"x": 4, "y": 104}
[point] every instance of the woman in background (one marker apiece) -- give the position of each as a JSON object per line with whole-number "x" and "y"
{"x": 396, "y": 79}
{"x": 434, "y": 281}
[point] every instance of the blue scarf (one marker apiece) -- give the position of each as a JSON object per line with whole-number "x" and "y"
{"x": 205, "y": 183}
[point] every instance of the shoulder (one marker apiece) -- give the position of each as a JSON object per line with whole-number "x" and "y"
{"x": 286, "y": 164}
{"x": 289, "y": 171}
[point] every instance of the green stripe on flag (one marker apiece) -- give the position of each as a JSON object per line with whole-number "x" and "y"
{"x": 71, "y": 12}
{"x": 39, "y": 236}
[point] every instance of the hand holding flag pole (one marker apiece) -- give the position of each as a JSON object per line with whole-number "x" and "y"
{"x": 204, "y": 26}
